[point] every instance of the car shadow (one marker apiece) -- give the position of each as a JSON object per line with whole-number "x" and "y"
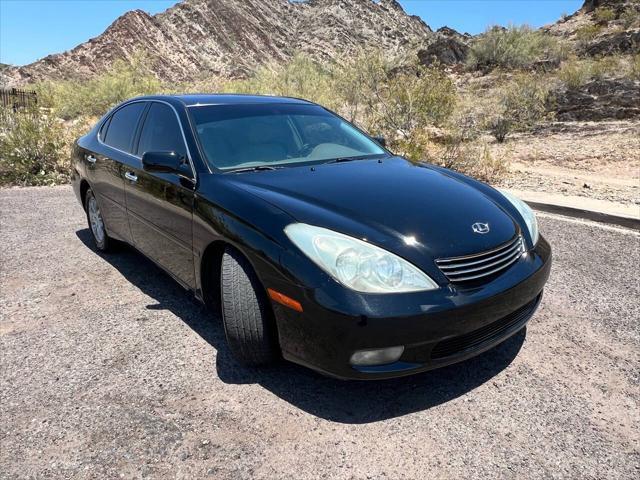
{"x": 353, "y": 402}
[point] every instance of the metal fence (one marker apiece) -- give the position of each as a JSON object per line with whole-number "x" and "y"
{"x": 16, "y": 99}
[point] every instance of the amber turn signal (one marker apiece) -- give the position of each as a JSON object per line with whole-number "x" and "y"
{"x": 284, "y": 300}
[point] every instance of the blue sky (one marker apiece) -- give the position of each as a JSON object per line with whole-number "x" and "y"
{"x": 32, "y": 29}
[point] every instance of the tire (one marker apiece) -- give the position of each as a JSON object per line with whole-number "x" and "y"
{"x": 246, "y": 314}
{"x": 101, "y": 240}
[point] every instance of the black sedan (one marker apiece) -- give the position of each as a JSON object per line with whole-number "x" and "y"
{"x": 312, "y": 240}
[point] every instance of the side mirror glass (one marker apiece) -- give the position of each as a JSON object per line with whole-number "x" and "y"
{"x": 381, "y": 141}
{"x": 161, "y": 162}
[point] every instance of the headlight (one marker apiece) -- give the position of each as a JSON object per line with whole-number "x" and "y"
{"x": 527, "y": 214}
{"x": 357, "y": 264}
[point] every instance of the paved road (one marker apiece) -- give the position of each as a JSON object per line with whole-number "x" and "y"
{"x": 109, "y": 369}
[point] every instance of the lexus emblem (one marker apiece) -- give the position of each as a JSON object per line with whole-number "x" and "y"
{"x": 480, "y": 228}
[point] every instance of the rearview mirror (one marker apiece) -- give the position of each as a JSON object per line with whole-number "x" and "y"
{"x": 161, "y": 162}
{"x": 381, "y": 141}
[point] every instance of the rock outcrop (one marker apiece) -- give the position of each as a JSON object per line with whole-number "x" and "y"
{"x": 599, "y": 100}
{"x": 445, "y": 51}
{"x": 196, "y": 38}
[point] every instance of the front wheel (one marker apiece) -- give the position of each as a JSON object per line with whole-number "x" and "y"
{"x": 246, "y": 314}
{"x": 101, "y": 240}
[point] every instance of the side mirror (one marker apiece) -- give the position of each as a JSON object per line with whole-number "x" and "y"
{"x": 381, "y": 141}
{"x": 161, "y": 162}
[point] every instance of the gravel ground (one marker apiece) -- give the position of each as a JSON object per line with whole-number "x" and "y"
{"x": 109, "y": 370}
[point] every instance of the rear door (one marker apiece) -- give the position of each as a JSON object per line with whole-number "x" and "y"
{"x": 160, "y": 205}
{"x": 105, "y": 166}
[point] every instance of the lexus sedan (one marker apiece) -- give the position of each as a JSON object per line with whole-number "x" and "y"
{"x": 310, "y": 239}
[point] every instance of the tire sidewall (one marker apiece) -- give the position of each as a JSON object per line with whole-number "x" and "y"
{"x": 104, "y": 245}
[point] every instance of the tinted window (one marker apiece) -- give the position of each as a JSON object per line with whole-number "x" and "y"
{"x": 234, "y": 136}
{"x": 122, "y": 126}
{"x": 161, "y": 131}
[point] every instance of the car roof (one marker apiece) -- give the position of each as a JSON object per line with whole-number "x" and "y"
{"x": 225, "y": 99}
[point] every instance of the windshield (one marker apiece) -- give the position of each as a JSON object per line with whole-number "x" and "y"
{"x": 252, "y": 135}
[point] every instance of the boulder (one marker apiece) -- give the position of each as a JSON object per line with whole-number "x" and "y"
{"x": 445, "y": 51}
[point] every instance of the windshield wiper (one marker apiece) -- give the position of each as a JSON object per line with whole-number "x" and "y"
{"x": 349, "y": 159}
{"x": 257, "y": 168}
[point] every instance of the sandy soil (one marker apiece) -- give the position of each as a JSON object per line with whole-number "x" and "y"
{"x": 597, "y": 160}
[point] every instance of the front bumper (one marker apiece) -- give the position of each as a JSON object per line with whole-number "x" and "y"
{"x": 436, "y": 328}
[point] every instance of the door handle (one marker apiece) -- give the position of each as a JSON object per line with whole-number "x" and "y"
{"x": 91, "y": 159}
{"x": 131, "y": 176}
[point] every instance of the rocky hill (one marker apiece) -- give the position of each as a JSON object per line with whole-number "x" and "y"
{"x": 231, "y": 37}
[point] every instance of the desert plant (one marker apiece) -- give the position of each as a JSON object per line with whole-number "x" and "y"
{"x": 471, "y": 158}
{"x": 604, "y": 15}
{"x": 301, "y": 77}
{"x": 514, "y": 47}
{"x": 413, "y": 100}
{"x": 500, "y": 126}
{"x": 587, "y": 33}
{"x": 524, "y": 100}
{"x": 630, "y": 17}
{"x": 71, "y": 99}
{"x": 33, "y": 149}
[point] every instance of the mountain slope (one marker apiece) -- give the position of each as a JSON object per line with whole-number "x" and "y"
{"x": 231, "y": 37}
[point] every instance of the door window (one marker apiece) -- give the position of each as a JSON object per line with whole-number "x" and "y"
{"x": 161, "y": 132}
{"x": 122, "y": 127}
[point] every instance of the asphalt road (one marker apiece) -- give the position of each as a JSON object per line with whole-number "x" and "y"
{"x": 109, "y": 369}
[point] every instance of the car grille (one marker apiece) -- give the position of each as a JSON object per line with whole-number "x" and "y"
{"x": 476, "y": 338}
{"x": 484, "y": 264}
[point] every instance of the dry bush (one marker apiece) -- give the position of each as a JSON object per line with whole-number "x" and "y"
{"x": 630, "y": 17}
{"x": 587, "y": 33}
{"x": 577, "y": 72}
{"x": 604, "y": 15}
{"x": 515, "y": 47}
{"x": 471, "y": 158}
{"x": 300, "y": 78}
{"x": 524, "y": 100}
{"x": 71, "y": 99}
{"x": 32, "y": 149}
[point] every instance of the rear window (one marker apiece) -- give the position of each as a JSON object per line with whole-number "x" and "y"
{"x": 122, "y": 127}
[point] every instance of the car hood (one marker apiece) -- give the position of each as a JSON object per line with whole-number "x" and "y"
{"x": 416, "y": 211}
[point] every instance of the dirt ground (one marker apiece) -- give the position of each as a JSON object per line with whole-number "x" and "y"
{"x": 598, "y": 160}
{"x": 110, "y": 370}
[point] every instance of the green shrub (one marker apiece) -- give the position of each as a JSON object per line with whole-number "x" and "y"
{"x": 500, "y": 127}
{"x": 587, "y": 33}
{"x": 71, "y": 99}
{"x": 301, "y": 77}
{"x": 630, "y": 17}
{"x": 33, "y": 149}
{"x": 515, "y": 47}
{"x": 575, "y": 73}
{"x": 604, "y": 15}
{"x": 524, "y": 100}
{"x": 409, "y": 101}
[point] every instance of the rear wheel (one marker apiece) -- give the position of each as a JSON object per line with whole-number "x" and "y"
{"x": 101, "y": 240}
{"x": 246, "y": 314}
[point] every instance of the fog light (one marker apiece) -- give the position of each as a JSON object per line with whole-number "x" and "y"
{"x": 379, "y": 356}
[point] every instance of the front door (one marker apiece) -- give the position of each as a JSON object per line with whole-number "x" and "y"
{"x": 160, "y": 205}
